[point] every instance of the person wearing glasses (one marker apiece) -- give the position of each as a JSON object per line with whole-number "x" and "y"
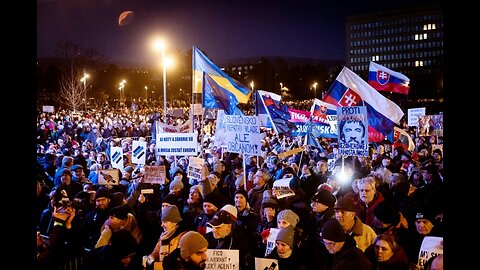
{"x": 339, "y": 250}
{"x": 370, "y": 197}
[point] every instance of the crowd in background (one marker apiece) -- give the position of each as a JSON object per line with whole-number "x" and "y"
{"x": 374, "y": 218}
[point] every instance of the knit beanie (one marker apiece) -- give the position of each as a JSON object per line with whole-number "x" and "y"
{"x": 120, "y": 212}
{"x": 171, "y": 213}
{"x": 215, "y": 199}
{"x": 176, "y": 183}
{"x": 102, "y": 193}
{"x": 332, "y": 230}
{"x": 386, "y": 213}
{"x": 243, "y": 192}
{"x": 324, "y": 197}
{"x": 345, "y": 203}
{"x": 190, "y": 243}
{"x": 66, "y": 171}
{"x": 286, "y": 235}
{"x": 289, "y": 216}
{"x": 268, "y": 200}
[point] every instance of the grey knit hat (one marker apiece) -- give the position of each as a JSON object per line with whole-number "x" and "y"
{"x": 176, "y": 183}
{"x": 286, "y": 235}
{"x": 289, "y": 216}
{"x": 171, "y": 213}
{"x": 190, "y": 243}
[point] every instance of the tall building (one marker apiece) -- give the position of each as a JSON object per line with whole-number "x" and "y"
{"x": 409, "y": 41}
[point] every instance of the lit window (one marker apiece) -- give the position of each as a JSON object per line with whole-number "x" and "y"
{"x": 416, "y": 63}
{"x": 425, "y": 36}
{"x": 433, "y": 26}
{"x": 429, "y": 26}
{"x": 416, "y": 36}
{"x": 424, "y": 27}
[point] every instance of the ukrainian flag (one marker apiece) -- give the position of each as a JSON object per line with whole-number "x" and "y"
{"x": 201, "y": 65}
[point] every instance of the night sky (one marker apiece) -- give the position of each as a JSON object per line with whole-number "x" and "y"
{"x": 223, "y": 29}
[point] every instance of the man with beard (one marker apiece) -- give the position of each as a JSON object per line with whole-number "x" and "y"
{"x": 353, "y": 133}
{"x": 190, "y": 254}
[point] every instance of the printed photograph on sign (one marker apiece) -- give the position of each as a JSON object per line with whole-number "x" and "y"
{"x": 352, "y": 131}
{"x": 111, "y": 176}
{"x": 281, "y": 188}
{"x": 430, "y": 125}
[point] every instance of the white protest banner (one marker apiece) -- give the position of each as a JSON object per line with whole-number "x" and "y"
{"x": 139, "y": 152}
{"x": 154, "y": 174}
{"x": 413, "y": 115}
{"x": 49, "y": 109}
{"x": 116, "y": 157}
{"x": 282, "y": 188}
{"x": 271, "y": 239}
{"x": 352, "y": 131}
{"x": 243, "y": 133}
{"x": 223, "y": 259}
{"x": 194, "y": 170}
{"x": 220, "y": 130}
{"x": 110, "y": 176}
{"x": 266, "y": 264}
{"x": 176, "y": 144}
{"x": 431, "y": 247}
{"x": 197, "y": 109}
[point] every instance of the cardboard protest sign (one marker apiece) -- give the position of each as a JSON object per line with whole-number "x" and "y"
{"x": 413, "y": 114}
{"x": 431, "y": 247}
{"x": 282, "y": 188}
{"x": 110, "y": 176}
{"x": 266, "y": 264}
{"x": 271, "y": 239}
{"x": 154, "y": 175}
{"x": 194, "y": 170}
{"x": 223, "y": 259}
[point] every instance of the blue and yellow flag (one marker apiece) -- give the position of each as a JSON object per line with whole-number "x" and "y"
{"x": 202, "y": 65}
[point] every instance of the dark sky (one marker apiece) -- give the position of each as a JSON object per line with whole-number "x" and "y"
{"x": 223, "y": 29}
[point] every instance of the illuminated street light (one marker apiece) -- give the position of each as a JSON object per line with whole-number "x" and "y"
{"x": 159, "y": 45}
{"x": 315, "y": 88}
{"x": 252, "y": 84}
{"x": 121, "y": 88}
{"x": 84, "y": 80}
{"x": 146, "y": 92}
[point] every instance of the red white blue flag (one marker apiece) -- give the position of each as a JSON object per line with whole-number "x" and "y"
{"x": 349, "y": 89}
{"x": 384, "y": 79}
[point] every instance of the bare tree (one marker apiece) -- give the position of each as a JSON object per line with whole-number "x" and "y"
{"x": 72, "y": 91}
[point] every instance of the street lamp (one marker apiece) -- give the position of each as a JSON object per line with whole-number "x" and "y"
{"x": 252, "y": 84}
{"x": 122, "y": 86}
{"x": 159, "y": 44}
{"x": 84, "y": 80}
{"x": 146, "y": 93}
{"x": 315, "y": 88}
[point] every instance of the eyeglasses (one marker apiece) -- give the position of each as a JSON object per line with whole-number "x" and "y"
{"x": 328, "y": 244}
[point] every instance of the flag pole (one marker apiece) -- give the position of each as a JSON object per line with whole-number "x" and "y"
{"x": 193, "y": 88}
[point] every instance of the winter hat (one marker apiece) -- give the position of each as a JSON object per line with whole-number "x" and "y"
{"x": 268, "y": 200}
{"x": 198, "y": 189}
{"x": 324, "y": 197}
{"x": 326, "y": 187}
{"x": 425, "y": 215}
{"x": 286, "y": 235}
{"x": 332, "y": 230}
{"x": 215, "y": 199}
{"x": 171, "y": 213}
{"x": 175, "y": 170}
{"x": 120, "y": 212}
{"x": 66, "y": 171}
{"x": 386, "y": 213}
{"x": 345, "y": 203}
{"x": 243, "y": 192}
{"x": 232, "y": 210}
{"x": 170, "y": 198}
{"x": 289, "y": 216}
{"x": 76, "y": 166}
{"x": 102, "y": 193}
{"x": 190, "y": 243}
{"x": 176, "y": 183}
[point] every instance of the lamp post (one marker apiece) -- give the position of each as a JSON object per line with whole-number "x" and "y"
{"x": 315, "y": 88}
{"x": 122, "y": 86}
{"x": 84, "y": 80}
{"x": 252, "y": 84}
{"x": 146, "y": 93}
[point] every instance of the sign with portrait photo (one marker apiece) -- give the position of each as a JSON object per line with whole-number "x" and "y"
{"x": 352, "y": 131}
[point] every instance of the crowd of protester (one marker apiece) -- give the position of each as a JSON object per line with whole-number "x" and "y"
{"x": 376, "y": 218}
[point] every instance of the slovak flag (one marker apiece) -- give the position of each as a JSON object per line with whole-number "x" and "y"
{"x": 349, "y": 89}
{"x": 384, "y": 79}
